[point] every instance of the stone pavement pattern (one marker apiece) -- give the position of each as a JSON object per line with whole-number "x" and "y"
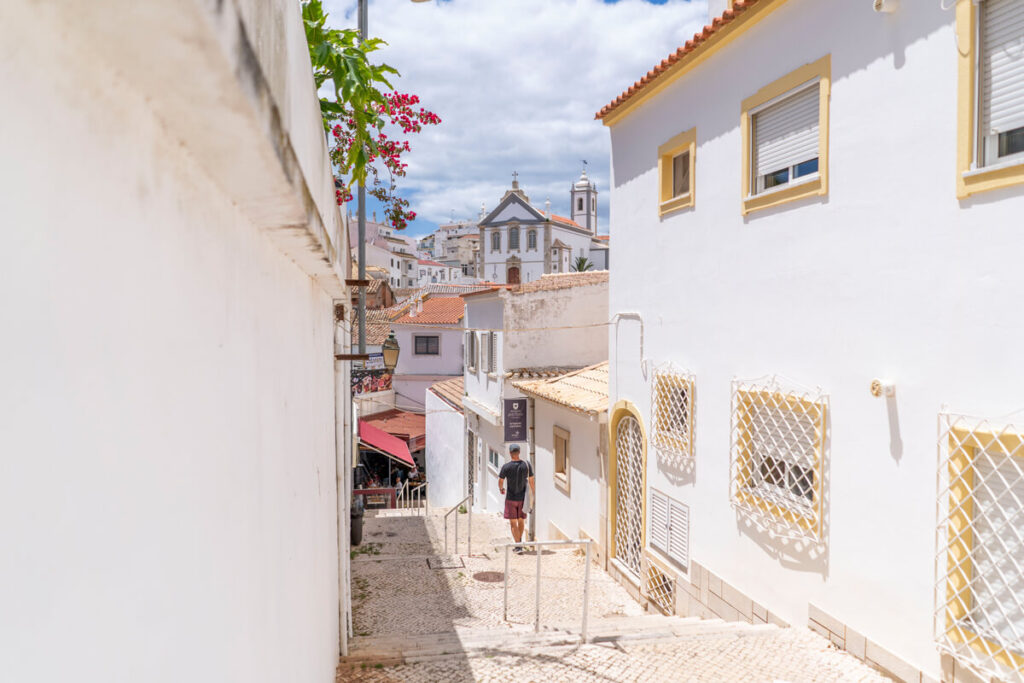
{"x": 399, "y": 599}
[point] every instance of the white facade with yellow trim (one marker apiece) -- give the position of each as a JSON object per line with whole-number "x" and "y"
{"x": 881, "y": 246}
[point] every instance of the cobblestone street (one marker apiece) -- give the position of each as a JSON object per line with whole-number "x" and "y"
{"x": 417, "y": 622}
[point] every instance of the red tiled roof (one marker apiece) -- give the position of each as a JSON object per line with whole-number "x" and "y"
{"x": 399, "y": 423}
{"x": 436, "y": 311}
{"x": 385, "y": 443}
{"x": 553, "y": 281}
{"x": 569, "y": 221}
{"x": 450, "y": 391}
{"x": 425, "y": 262}
{"x": 493, "y": 288}
{"x": 688, "y": 50}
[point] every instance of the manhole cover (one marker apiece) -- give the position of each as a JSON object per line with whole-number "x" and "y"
{"x": 445, "y": 562}
{"x": 489, "y": 577}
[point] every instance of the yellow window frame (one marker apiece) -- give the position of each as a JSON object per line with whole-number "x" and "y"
{"x": 678, "y": 144}
{"x": 963, "y": 443}
{"x": 745, "y": 457}
{"x": 820, "y": 70}
{"x": 970, "y": 180}
{"x": 664, "y": 436}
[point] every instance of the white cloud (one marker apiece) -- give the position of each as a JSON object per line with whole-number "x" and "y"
{"x": 516, "y": 83}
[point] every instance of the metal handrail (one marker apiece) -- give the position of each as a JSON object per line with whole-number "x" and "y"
{"x": 412, "y": 497}
{"x": 586, "y": 580}
{"x": 469, "y": 537}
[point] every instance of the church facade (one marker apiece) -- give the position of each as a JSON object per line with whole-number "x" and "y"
{"x": 519, "y": 243}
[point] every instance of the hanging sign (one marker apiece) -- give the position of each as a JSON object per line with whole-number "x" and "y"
{"x": 515, "y": 419}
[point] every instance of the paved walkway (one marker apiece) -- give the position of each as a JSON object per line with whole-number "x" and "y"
{"x": 417, "y": 621}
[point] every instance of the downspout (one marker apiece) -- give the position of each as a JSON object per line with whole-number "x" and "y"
{"x": 532, "y": 435}
{"x": 361, "y": 308}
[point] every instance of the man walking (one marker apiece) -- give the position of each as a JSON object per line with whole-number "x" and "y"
{"x": 517, "y": 473}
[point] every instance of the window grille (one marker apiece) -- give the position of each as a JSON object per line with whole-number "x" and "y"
{"x": 659, "y": 585}
{"x": 778, "y": 444}
{"x": 979, "y": 591}
{"x": 672, "y": 398}
{"x": 629, "y": 494}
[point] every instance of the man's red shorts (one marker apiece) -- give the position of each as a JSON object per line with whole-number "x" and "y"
{"x": 514, "y": 509}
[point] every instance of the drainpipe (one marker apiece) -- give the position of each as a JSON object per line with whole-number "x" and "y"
{"x": 532, "y": 433}
{"x": 342, "y": 476}
{"x": 361, "y": 308}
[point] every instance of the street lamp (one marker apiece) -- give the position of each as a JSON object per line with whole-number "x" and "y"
{"x": 389, "y": 349}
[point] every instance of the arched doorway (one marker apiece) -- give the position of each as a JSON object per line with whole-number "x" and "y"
{"x": 512, "y": 277}
{"x": 628, "y": 494}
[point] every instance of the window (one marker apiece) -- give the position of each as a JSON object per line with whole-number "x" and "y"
{"x": 673, "y": 412}
{"x": 494, "y": 458}
{"x": 981, "y": 555}
{"x": 784, "y": 128}
{"x": 778, "y": 442}
{"x": 492, "y": 352}
{"x": 579, "y": 204}
{"x": 408, "y": 266}
{"x": 495, "y": 241}
{"x": 990, "y": 116}
{"x": 676, "y": 163}
{"x": 531, "y": 239}
{"x": 469, "y": 346}
{"x": 427, "y": 345}
{"x": 560, "y": 449}
{"x": 670, "y": 528}
{"x": 513, "y": 238}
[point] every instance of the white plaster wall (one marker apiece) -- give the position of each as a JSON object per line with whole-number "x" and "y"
{"x": 168, "y": 412}
{"x": 889, "y": 276}
{"x": 489, "y": 435}
{"x": 447, "y": 362}
{"x": 580, "y": 311}
{"x": 446, "y": 460}
{"x": 485, "y": 312}
{"x": 581, "y": 507}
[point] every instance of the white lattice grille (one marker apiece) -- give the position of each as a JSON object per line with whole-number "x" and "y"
{"x": 778, "y": 444}
{"x": 672, "y": 401}
{"x": 979, "y": 614}
{"x": 629, "y": 496}
{"x": 659, "y": 586}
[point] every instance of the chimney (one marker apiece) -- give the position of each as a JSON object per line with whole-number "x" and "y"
{"x": 547, "y": 208}
{"x": 419, "y": 306}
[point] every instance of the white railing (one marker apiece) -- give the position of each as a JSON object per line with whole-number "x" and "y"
{"x": 412, "y": 496}
{"x": 467, "y": 501}
{"x": 537, "y": 545}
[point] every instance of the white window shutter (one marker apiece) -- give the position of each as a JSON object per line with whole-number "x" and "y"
{"x": 659, "y": 521}
{"x": 465, "y": 348}
{"x": 1002, "y": 66}
{"x": 679, "y": 533}
{"x": 786, "y": 133}
{"x": 491, "y": 360}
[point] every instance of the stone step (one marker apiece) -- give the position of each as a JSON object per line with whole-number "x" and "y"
{"x": 395, "y": 649}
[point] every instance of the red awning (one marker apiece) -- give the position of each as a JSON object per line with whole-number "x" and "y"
{"x": 382, "y": 442}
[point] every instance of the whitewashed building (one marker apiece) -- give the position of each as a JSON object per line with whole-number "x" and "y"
{"x": 538, "y": 329}
{"x": 844, "y": 182}
{"x": 429, "y": 335}
{"x": 446, "y": 431}
{"x": 520, "y": 243}
{"x": 176, "y": 430}
{"x": 568, "y": 416}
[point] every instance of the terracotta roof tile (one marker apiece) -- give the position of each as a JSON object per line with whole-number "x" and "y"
{"x": 585, "y": 390}
{"x": 539, "y": 372}
{"x": 398, "y": 423}
{"x": 450, "y": 391}
{"x": 555, "y": 281}
{"x": 436, "y": 311}
{"x": 378, "y": 324}
{"x": 689, "y": 49}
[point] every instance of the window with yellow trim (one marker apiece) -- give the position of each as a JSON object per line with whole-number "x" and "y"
{"x": 561, "y": 453}
{"x": 990, "y": 120}
{"x": 980, "y": 605}
{"x": 677, "y": 162}
{"x": 672, "y": 400}
{"x": 778, "y": 457}
{"x": 784, "y": 129}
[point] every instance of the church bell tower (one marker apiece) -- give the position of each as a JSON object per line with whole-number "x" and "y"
{"x": 584, "y": 202}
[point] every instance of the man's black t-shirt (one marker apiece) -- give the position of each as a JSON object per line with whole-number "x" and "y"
{"x": 515, "y": 473}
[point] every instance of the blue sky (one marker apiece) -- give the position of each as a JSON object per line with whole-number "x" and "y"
{"x": 516, "y": 83}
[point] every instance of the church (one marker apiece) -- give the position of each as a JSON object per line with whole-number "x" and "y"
{"x": 519, "y": 243}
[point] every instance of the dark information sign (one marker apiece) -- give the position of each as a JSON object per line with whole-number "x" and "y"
{"x": 515, "y": 419}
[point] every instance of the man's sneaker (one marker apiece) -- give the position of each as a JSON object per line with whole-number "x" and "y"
{"x": 518, "y": 550}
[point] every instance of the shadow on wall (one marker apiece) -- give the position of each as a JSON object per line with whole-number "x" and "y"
{"x": 865, "y": 36}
